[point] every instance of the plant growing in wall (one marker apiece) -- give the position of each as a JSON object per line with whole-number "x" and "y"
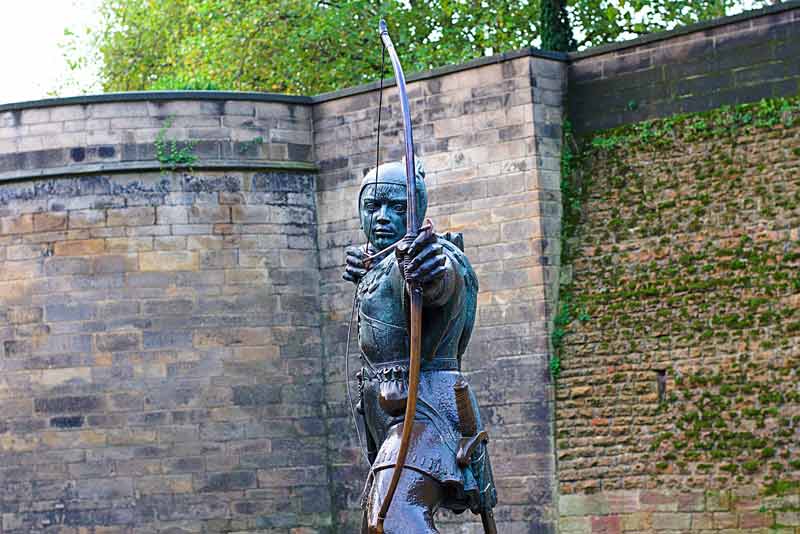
{"x": 682, "y": 249}
{"x": 171, "y": 153}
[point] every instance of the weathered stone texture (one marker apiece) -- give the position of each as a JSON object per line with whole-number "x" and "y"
{"x": 172, "y": 343}
{"x": 678, "y": 372}
{"x": 156, "y": 353}
{"x": 617, "y": 512}
{"x": 725, "y": 64}
{"x": 129, "y": 133}
{"x": 485, "y": 136}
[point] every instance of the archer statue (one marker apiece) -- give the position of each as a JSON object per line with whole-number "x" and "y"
{"x": 416, "y": 299}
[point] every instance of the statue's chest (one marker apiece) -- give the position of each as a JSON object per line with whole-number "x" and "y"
{"x": 382, "y": 317}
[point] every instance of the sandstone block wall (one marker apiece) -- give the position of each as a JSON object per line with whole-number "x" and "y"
{"x": 489, "y": 138}
{"x": 741, "y": 59}
{"x": 145, "y": 131}
{"x": 160, "y": 339}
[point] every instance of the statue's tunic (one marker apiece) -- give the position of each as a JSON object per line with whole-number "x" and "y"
{"x": 447, "y": 321}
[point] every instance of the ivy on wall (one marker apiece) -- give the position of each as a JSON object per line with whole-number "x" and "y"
{"x": 677, "y": 342}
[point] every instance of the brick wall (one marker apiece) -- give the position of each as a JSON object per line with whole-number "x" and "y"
{"x": 731, "y": 61}
{"x": 160, "y": 340}
{"x": 489, "y": 137}
{"x": 677, "y": 405}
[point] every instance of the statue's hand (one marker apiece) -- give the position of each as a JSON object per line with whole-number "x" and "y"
{"x": 424, "y": 259}
{"x": 355, "y": 269}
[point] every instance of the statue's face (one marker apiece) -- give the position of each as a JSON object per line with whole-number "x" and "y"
{"x": 383, "y": 214}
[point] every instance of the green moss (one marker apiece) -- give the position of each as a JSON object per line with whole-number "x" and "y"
{"x": 781, "y": 487}
{"x": 173, "y": 154}
{"x": 751, "y": 466}
{"x": 719, "y": 298}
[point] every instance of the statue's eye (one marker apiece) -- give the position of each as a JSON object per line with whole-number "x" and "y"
{"x": 369, "y": 206}
{"x": 399, "y": 207}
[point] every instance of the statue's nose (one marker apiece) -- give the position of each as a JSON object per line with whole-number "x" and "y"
{"x": 383, "y": 214}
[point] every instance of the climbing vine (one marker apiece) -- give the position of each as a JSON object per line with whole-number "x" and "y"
{"x": 573, "y": 190}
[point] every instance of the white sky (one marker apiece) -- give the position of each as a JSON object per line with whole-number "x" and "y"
{"x": 31, "y": 62}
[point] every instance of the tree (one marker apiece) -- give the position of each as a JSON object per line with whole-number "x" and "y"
{"x": 597, "y": 22}
{"x": 313, "y": 46}
{"x": 556, "y": 29}
{"x": 293, "y": 46}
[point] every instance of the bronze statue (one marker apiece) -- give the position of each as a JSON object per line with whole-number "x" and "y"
{"x": 416, "y": 298}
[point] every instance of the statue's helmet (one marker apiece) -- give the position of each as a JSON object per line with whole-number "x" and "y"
{"x": 394, "y": 173}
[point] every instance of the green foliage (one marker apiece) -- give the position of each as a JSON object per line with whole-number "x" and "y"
{"x": 556, "y": 31}
{"x": 560, "y": 325}
{"x": 782, "y": 487}
{"x": 181, "y": 82}
{"x": 573, "y": 192}
{"x": 247, "y": 145}
{"x": 604, "y": 21}
{"x": 313, "y": 46}
{"x": 726, "y": 122}
{"x": 173, "y": 154}
{"x": 294, "y": 46}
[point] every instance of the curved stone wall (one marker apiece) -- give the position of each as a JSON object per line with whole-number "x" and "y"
{"x": 160, "y": 342}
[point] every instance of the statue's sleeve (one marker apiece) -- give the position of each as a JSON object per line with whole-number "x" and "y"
{"x": 449, "y": 286}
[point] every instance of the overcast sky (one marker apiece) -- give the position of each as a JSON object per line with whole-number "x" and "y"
{"x": 33, "y": 65}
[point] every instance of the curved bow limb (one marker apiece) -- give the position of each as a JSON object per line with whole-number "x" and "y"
{"x": 414, "y": 290}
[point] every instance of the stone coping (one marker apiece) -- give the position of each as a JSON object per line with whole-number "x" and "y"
{"x": 156, "y": 96}
{"x": 149, "y": 166}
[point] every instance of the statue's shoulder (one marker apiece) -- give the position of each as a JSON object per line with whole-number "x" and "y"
{"x": 453, "y": 244}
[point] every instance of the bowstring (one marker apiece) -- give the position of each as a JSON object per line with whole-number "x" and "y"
{"x": 377, "y": 137}
{"x": 361, "y": 445}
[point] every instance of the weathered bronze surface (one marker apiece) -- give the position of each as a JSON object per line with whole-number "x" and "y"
{"x": 447, "y": 463}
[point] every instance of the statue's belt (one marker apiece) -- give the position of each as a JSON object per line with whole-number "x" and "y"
{"x": 398, "y": 369}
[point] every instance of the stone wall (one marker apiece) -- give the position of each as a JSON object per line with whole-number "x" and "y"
{"x": 708, "y": 65}
{"x": 174, "y": 322}
{"x": 119, "y": 132}
{"x": 489, "y": 138}
{"x": 160, "y": 341}
{"x": 677, "y": 403}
